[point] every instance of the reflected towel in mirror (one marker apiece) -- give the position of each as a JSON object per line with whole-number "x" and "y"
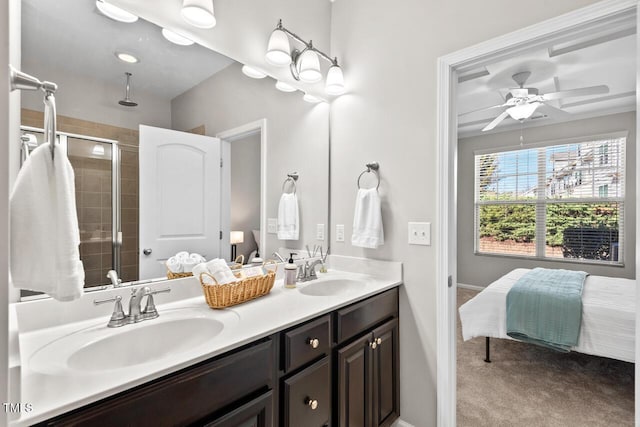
{"x": 45, "y": 237}
{"x": 288, "y": 217}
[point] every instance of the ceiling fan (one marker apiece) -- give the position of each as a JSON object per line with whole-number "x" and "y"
{"x": 522, "y": 102}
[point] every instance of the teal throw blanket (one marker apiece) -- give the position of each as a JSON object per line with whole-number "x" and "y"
{"x": 544, "y": 307}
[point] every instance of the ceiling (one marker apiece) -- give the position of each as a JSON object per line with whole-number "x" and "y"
{"x": 600, "y": 58}
{"x": 73, "y": 36}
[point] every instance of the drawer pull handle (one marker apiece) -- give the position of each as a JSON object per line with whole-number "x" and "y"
{"x": 313, "y": 342}
{"x": 378, "y": 341}
{"x": 312, "y": 403}
{"x": 373, "y": 344}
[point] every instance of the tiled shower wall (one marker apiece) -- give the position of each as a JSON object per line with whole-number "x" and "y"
{"x": 93, "y": 180}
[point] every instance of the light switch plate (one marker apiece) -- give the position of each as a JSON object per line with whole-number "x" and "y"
{"x": 339, "y": 232}
{"x": 420, "y": 233}
{"x": 320, "y": 232}
{"x": 272, "y": 225}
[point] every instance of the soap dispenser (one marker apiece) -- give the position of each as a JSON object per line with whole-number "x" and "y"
{"x": 290, "y": 273}
{"x": 256, "y": 260}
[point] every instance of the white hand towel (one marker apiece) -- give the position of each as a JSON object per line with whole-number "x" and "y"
{"x": 288, "y": 218}
{"x": 174, "y": 265}
{"x": 197, "y": 258}
{"x": 202, "y": 268}
{"x": 367, "y": 220}
{"x": 182, "y": 256}
{"x": 44, "y": 227}
{"x": 221, "y": 271}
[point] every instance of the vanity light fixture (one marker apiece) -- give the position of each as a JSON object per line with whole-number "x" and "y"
{"x": 176, "y": 38}
{"x": 312, "y": 99}
{"x": 127, "y": 57}
{"x": 252, "y": 72}
{"x": 285, "y": 87}
{"x": 98, "y": 150}
{"x": 115, "y": 13}
{"x": 304, "y": 64}
{"x": 198, "y": 13}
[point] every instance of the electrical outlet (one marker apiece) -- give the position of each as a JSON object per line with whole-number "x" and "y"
{"x": 272, "y": 225}
{"x": 320, "y": 232}
{"x": 339, "y": 232}
{"x": 420, "y": 233}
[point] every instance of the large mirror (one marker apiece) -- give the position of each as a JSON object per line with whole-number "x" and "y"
{"x": 174, "y": 148}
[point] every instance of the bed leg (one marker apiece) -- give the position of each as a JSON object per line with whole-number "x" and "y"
{"x": 488, "y": 352}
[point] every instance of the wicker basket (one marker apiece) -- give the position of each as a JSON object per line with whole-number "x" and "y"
{"x": 171, "y": 275}
{"x": 222, "y": 296}
{"x": 237, "y": 263}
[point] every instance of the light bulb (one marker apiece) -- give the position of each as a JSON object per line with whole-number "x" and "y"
{"x": 335, "y": 81}
{"x": 278, "y": 50}
{"x": 309, "y": 67}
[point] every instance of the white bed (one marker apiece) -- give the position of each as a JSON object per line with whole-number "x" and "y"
{"x": 608, "y": 315}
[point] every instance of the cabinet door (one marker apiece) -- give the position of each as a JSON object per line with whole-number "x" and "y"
{"x": 354, "y": 383}
{"x": 256, "y": 413}
{"x": 386, "y": 384}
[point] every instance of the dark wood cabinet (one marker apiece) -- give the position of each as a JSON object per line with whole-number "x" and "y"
{"x": 256, "y": 413}
{"x": 368, "y": 379}
{"x": 307, "y": 396}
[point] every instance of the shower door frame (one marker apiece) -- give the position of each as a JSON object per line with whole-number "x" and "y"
{"x": 116, "y": 221}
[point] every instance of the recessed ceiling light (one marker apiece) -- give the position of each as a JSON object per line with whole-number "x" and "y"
{"x": 285, "y": 87}
{"x": 176, "y": 38}
{"x": 252, "y": 72}
{"x": 115, "y": 13}
{"x": 127, "y": 57}
{"x": 312, "y": 99}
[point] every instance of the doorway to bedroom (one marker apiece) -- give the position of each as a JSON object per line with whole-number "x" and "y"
{"x": 545, "y": 177}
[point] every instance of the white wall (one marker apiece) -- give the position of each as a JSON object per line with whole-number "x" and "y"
{"x": 85, "y": 98}
{"x": 245, "y": 190}
{"x": 389, "y": 52}
{"x": 481, "y": 270}
{"x": 297, "y": 133}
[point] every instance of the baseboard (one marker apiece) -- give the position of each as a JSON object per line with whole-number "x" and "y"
{"x": 472, "y": 287}
{"x": 400, "y": 423}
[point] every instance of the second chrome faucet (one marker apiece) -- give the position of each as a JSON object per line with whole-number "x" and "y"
{"x": 136, "y": 314}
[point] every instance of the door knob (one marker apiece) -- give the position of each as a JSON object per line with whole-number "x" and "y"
{"x": 313, "y": 342}
{"x": 147, "y": 251}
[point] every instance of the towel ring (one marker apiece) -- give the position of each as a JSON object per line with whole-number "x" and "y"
{"x": 291, "y": 177}
{"x": 371, "y": 168}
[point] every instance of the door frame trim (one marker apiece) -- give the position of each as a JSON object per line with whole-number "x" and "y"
{"x": 448, "y": 66}
{"x": 241, "y": 131}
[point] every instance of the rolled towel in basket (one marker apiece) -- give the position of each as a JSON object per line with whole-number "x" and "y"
{"x": 197, "y": 258}
{"x": 202, "y": 268}
{"x": 174, "y": 265}
{"x": 221, "y": 271}
{"x": 187, "y": 266}
{"x": 182, "y": 256}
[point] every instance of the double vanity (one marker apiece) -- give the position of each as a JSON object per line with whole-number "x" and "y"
{"x": 325, "y": 353}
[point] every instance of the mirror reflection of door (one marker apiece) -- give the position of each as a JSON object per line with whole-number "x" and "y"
{"x": 179, "y": 197}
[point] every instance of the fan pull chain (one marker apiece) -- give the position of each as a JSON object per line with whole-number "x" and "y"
{"x": 521, "y": 130}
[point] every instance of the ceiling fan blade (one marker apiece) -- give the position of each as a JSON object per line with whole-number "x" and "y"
{"x": 585, "y": 91}
{"x": 493, "y": 107}
{"x": 496, "y": 121}
{"x": 553, "y": 112}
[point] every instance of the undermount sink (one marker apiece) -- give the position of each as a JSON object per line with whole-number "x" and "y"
{"x": 100, "y": 348}
{"x": 331, "y": 287}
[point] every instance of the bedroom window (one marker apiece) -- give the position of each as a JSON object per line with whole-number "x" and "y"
{"x": 562, "y": 201}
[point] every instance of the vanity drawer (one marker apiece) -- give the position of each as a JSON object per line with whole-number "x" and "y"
{"x": 307, "y": 342}
{"x": 357, "y": 318}
{"x": 307, "y": 396}
{"x": 185, "y": 397}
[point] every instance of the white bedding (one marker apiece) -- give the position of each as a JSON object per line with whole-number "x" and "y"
{"x": 608, "y": 315}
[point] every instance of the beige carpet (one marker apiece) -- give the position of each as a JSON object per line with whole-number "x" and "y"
{"x": 526, "y": 385}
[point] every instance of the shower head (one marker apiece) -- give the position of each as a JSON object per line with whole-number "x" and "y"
{"x": 127, "y": 102}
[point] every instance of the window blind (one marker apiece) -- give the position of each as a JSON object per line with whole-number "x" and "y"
{"x": 562, "y": 201}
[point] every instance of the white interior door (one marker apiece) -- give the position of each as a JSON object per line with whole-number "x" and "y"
{"x": 179, "y": 197}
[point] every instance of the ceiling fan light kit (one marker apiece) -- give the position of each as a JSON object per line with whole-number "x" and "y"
{"x": 522, "y": 102}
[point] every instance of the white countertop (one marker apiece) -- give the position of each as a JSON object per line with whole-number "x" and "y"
{"x": 56, "y": 390}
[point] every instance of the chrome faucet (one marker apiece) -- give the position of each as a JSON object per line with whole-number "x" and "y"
{"x": 280, "y": 258}
{"x": 307, "y": 270}
{"x": 136, "y": 314}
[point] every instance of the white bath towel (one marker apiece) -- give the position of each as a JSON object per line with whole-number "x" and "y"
{"x": 219, "y": 269}
{"x": 197, "y": 258}
{"x": 367, "y": 220}
{"x": 174, "y": 265}
{"x": 202, "y": 268}
{"x": 288, "y": 217}
{"x": 182, "y": 256}
{"x": 44, "y": 227}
